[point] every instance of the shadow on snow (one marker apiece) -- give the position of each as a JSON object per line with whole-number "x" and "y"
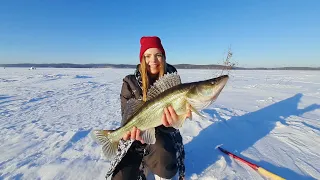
{"x": 241, "y": 132}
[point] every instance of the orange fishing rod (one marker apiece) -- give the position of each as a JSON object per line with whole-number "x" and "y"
{"x": 253, "y": 166}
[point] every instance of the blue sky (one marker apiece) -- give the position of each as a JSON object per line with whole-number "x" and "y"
{"x": 260, "y": 33}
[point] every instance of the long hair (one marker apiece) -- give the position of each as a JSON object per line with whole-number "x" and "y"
{"x": 144, "y": 75}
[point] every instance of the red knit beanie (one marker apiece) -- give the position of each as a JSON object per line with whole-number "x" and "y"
{"x": 147, "y": 42}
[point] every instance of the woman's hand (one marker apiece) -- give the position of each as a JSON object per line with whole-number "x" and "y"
{"x": 134, "y": 134}
{"x": 169, "y": 117}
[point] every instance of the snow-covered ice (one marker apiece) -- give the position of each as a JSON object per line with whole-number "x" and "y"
{"x": 271, "y": 118}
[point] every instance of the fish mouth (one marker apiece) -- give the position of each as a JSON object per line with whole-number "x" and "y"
{"x": 221, "y": 82}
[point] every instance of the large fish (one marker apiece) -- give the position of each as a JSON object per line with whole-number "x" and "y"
{"x": 168, "y": 90}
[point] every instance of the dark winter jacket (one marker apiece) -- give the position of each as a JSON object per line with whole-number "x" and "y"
{"x": 132, "y": 88}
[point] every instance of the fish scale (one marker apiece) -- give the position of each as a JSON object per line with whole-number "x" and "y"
{"x": 154, "y": 110}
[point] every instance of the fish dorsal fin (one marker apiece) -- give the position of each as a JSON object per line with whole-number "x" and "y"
{"x": 131, "y": 107}
{"x": 162, "y": 84}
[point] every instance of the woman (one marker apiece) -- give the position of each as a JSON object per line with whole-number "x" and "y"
{"x": 166, "y": 156}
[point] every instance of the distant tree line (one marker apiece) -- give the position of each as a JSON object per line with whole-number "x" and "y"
{"x": 179, "y": 66}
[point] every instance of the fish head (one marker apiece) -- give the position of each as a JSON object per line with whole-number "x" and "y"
{"x": 205, "y": 92}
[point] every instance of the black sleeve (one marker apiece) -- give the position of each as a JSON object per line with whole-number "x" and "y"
{"x": 163, "y": 129}
{"x": 125, "y": 95}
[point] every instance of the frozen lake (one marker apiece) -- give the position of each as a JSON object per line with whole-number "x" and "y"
{"x": 271, "y": 118}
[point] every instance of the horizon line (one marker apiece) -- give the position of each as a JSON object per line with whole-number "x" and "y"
{"x": 179, "y": 64}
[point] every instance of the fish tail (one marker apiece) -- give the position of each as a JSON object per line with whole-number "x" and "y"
{"x": 109, "y": 148}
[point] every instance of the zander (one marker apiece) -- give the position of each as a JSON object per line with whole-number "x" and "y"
{"x": 168, "y": 90}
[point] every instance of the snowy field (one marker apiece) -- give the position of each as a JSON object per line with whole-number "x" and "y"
{"x": 271, "y": 118}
